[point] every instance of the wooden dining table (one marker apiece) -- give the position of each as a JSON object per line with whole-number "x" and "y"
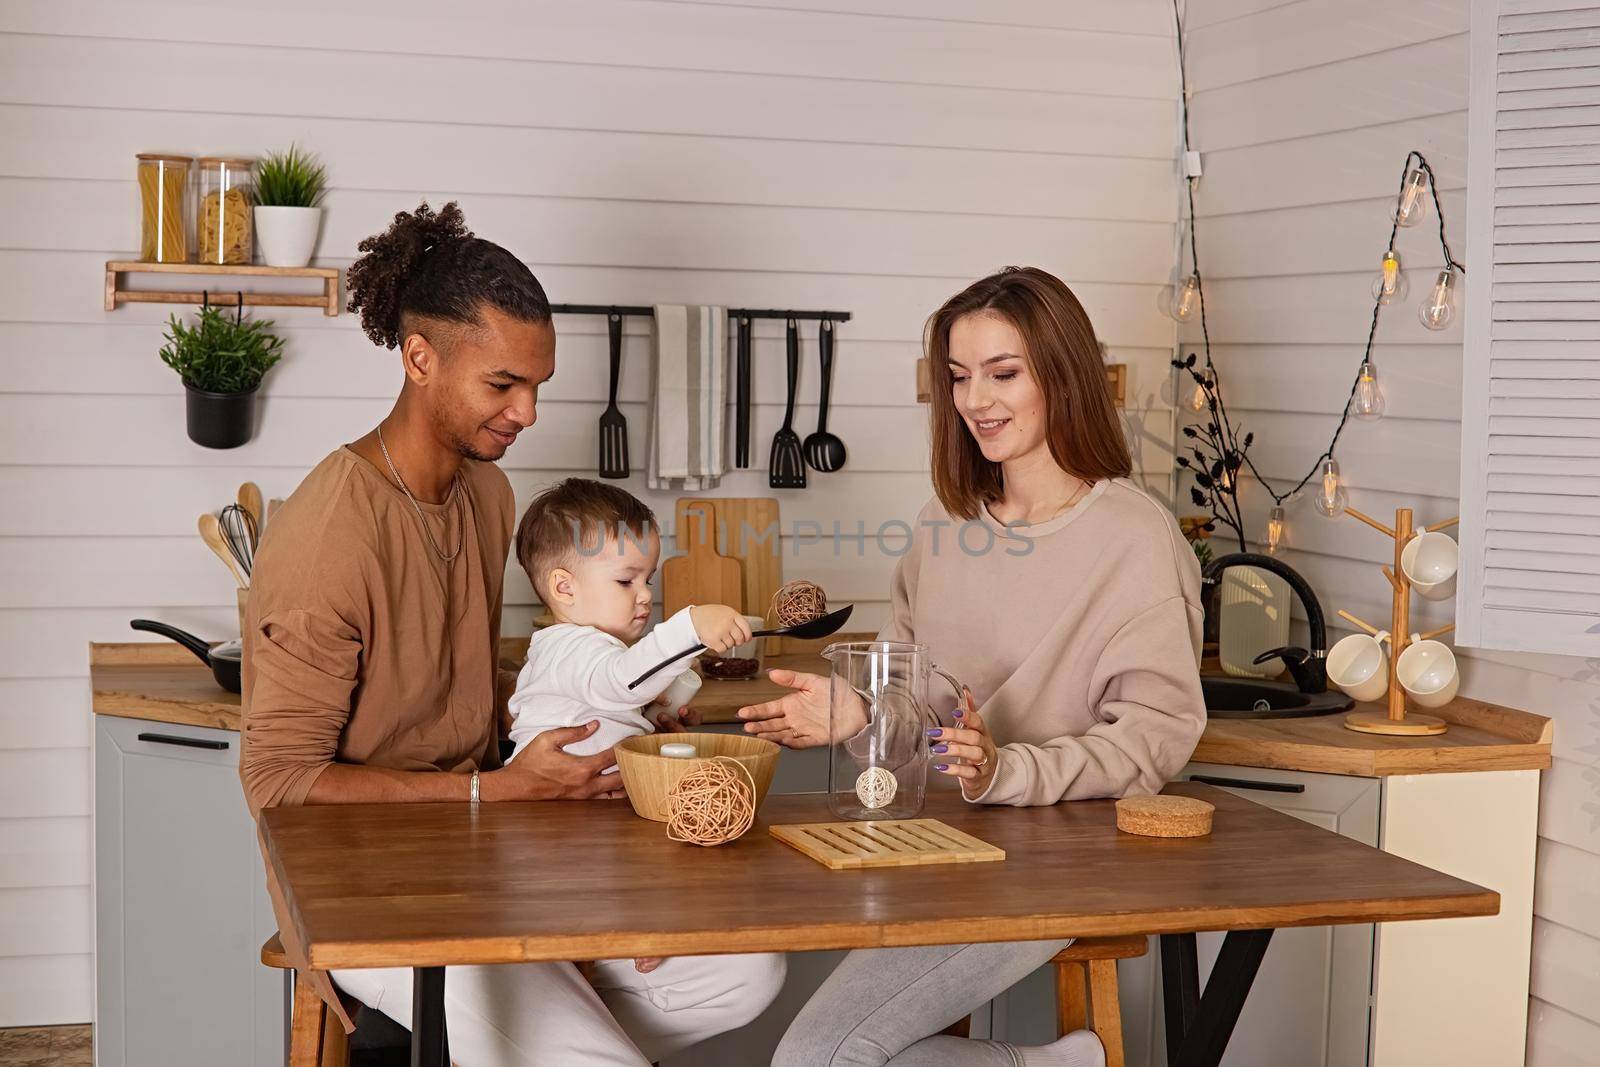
{"x": 428, "y": 886}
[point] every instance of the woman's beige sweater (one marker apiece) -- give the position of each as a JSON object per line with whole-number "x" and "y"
{"x": 1079, "y": 638}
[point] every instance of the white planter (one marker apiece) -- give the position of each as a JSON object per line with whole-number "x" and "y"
{"x": 287, "y": 235}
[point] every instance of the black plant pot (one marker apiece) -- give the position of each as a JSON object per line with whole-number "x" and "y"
{"x": 221, "y": 420}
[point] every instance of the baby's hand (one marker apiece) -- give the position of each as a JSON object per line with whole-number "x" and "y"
{"x": 719, "y": 627}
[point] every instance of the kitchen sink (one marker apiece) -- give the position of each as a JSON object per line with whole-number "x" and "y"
{"x": 1254, "y": 698}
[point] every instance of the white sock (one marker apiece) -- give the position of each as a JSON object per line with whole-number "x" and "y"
{"x": 1081, "y": 1048}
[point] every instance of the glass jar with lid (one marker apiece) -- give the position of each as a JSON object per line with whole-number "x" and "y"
{"x": 164, "y": 184}
{"x": 226, "y": 198}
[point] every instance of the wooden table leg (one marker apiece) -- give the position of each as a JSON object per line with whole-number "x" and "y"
{"x": 1198, "y": 1029}
{"x": 430, "y": 1046}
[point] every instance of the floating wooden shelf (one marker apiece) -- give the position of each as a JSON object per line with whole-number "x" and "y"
{"x": 224, "y": 294}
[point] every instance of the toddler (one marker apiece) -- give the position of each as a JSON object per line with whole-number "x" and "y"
{"x": 590, "y": 550}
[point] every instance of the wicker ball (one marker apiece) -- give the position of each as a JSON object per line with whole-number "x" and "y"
{"x": 876, "y": 787}
{"x": 799, "y": 601}
{"x": 712, "y": 804}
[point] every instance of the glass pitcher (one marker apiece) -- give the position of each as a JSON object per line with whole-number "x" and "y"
{"x": 878, "y": 719}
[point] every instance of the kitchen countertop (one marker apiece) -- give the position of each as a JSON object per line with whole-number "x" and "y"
{"x": 165, "y": 683}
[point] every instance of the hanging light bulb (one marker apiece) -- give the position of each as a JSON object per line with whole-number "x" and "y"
{"x": 1390, "y": 284}
{"x": 1332, "y": 499}
{"x": 1412, "y": 205}
{"x": 1274, "y": 529}
{"x": 1181, "y": 301}
{"x": 1199, "y": 400}
{"x": 1368, "y": 400}
{"x": 1439, "y": 308}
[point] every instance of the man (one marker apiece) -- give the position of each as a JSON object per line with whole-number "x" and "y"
{"x": 374, "y": 624}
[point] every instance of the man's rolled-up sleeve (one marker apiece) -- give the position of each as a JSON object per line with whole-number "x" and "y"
{"x": 303, "y": 667}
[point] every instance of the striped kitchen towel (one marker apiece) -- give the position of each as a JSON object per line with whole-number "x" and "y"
{"x": 689, "y": 394}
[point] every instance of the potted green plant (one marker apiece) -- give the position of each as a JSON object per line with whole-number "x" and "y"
{"x": 221, "y": 364}
{"x": 289, "y": 190}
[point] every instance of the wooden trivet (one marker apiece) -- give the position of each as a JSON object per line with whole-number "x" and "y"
{"x": 1164, "y": 816}
{"x": 885, "y": 843}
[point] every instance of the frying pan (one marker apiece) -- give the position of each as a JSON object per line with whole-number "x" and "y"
{"x": 225, "y": 659}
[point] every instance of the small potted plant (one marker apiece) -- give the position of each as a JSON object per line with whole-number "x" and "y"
{"x": 221, "y": 364}
{"x": 289, "y": 188}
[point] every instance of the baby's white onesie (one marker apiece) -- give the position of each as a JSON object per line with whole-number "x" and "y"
{"x": 578, "y": 673}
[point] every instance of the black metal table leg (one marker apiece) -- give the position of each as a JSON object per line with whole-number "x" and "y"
{"x": 1199, "y": 1034}
{"x": 430, "y": 1047}
{"x": 1180, "y": 987}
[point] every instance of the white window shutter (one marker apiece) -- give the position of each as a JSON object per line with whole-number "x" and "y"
{"x": 1530, "y": 425}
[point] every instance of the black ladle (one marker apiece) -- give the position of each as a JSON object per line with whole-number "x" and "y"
{"x": 805, "y": 631}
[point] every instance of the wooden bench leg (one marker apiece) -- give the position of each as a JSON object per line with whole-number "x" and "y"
{"x": 316, "y": 1038}
{"x": 1072, "y": 1009}
{"x": 1105, "y": 1008}
{"x": 307, "y": 1025}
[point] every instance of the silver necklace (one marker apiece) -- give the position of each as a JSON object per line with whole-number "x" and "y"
{"x": 455, "y": 494}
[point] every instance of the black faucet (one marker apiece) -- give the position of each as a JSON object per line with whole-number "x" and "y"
{"x": 1308, "y": 666}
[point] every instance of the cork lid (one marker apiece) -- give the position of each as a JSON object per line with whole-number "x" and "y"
{"x": 240, "y": 162}
{"x": 158, "y": 157}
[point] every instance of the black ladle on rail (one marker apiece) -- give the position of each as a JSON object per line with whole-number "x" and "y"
{"x": 822, "y": 627}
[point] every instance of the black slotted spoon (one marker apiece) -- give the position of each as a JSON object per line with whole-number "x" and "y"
{"x": 786, "y": 467}
{"x": 823, "y": 450}
{"x": 613, "y": 427}
{"x": 806, "y": 631}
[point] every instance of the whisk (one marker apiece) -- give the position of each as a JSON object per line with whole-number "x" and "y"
{"x": 239, "y": 533}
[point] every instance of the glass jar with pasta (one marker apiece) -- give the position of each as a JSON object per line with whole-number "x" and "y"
{"x": 226, "y": 197}
{"x": 164, "y": 207}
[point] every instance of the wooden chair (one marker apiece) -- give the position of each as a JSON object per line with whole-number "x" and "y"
{"x": 1086, "y": 990}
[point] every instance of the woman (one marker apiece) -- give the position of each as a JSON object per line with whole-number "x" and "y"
{"x": 1068, "y": 602}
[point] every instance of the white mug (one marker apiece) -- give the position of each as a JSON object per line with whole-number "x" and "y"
{"x": 1430, "y": 560}
{"x": 1428, "y": 672}
{"x": 1358, "y": 665}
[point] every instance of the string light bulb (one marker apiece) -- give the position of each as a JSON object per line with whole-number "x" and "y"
{"x": 1199, "y": 400}
{"x": 1439, "y": 308}
{"x": 1367, "y": 403}
{"x": 1181, "y": 301}
{"x": 1413, "y": 205}
{"x": 1331, "y": 500}
{"x": 1274, "y": 530}
{"x": 1390, "y": 284}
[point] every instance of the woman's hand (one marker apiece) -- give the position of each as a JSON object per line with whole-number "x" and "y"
{"x": 798, "y": 719}
{"x": 646, "y": 964}
{"x": 970, "y": 744}
{"x": 674, "y": 722}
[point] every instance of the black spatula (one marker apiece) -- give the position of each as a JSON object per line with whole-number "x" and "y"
{"x": 786, "y": 468}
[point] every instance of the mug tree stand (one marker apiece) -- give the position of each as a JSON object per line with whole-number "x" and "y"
{"x": 1396, "y": 720}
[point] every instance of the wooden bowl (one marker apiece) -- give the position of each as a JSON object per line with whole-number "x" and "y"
{"x": 650, "y": 776}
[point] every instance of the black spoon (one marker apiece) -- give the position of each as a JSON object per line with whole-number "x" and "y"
{"x": 806, "y": 631}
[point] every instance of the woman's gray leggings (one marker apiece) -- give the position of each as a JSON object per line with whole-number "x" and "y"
{"x": 881, "y": 1005}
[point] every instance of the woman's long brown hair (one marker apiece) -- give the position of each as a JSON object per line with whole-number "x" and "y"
{"x": 1081, "y": 424}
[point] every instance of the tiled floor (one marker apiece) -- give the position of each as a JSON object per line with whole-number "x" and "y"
{"x": 46, "y": 1046}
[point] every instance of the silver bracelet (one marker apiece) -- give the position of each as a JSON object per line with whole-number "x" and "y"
{"x": 475, "y": 796}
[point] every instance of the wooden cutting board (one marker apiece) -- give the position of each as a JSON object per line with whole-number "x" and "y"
{"x": 887, "y": 843}
{"x": 760, "y": 552}
{"x": 702, "y": 575}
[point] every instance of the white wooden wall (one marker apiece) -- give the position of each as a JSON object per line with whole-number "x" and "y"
{"x": 632, "y": 151}
{"x": 1304, "y": 112}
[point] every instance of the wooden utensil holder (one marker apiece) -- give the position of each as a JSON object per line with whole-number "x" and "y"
{"x": 1396, "y": 720}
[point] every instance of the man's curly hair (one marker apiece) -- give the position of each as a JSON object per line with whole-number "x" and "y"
{"x": 428, "y": 264}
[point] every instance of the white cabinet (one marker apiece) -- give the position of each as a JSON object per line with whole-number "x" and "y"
{"x": 181, "y": 905}
{"x": 1444, "y": 991}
